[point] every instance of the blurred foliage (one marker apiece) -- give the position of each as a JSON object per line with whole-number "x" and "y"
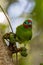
{"x": 41, "y": 63}
{"x": 37, "y": 13}
{"x": 23, "y": 34}
{"x": 3, "y": 28}
{"x": 4, "y": 4}
{"x": 7, "y": 3}
{"x": 12, "y": 1}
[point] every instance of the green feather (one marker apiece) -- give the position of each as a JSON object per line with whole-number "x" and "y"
{"x": 23, "y": 34}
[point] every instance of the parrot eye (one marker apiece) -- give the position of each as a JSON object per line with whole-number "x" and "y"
{"x": 25, "y": 22}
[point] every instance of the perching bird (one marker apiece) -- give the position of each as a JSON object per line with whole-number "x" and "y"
{"x": 24, "y": 31}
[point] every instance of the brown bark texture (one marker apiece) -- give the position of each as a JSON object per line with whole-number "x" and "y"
{"x": 5, "y": 58}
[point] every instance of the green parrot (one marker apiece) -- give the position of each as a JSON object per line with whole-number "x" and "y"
{"x": 24, "y": 31}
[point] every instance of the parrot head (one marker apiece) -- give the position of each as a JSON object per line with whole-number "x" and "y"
{"x": 24, "y": 31}
{"x": 27, "y": 24}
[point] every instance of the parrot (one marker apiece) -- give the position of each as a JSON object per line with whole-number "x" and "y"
{"x": 24, "y": 31}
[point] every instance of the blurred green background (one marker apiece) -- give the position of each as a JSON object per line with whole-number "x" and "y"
{"x": 35, "y": 45}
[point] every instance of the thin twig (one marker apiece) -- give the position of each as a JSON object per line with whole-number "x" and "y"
{"x": 6, "y": 17}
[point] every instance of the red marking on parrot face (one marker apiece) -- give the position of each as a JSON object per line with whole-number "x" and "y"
{"x": 29, "y": 21}
{"x": 26, "y": 26}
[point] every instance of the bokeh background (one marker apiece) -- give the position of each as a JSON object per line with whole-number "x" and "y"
{"x": 18, "y": 11}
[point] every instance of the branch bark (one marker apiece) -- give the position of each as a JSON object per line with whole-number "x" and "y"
{"x": 5, "y": 59}
{"x": 6, "y": 17}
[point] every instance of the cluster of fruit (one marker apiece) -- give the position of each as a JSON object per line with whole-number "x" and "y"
{"x": 12, "y": 44}
{"x": 23, "y": 51}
